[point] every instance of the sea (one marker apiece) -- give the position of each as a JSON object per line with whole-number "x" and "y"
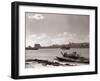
{"x": 50, "y": 55}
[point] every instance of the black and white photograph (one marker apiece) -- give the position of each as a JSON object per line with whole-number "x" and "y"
{"x": 51, "y": 40}
{"x": 54, "y": 40}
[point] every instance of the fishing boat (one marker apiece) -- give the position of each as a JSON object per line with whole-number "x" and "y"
{"x": 62, "y": 59}
{"x": 71, "y": 55}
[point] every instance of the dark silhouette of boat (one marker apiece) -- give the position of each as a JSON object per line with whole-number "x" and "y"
{"x": 64, "y": 59}
{"x": 71, "y": 55}
{"x": 79, "y": 60}
{"x": 74, "y": 57}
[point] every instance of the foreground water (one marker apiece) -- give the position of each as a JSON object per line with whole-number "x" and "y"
{"x": 50, "y": 54}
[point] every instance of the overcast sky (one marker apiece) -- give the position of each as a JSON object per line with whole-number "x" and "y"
{"x": 48, "y": 29}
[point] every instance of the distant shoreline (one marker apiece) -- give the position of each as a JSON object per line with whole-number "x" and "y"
{"x": 33, "y": 48}
{"x": 63, "y": 46}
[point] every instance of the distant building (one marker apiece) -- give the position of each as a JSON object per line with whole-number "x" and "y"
{"x": 29, "y": 47}
{"x": 37, "y": 45}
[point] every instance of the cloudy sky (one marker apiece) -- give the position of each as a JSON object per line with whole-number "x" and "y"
{"x": 48, "y": 29}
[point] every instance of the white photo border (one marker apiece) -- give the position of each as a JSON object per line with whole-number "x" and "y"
{"x": 56, "y": 70}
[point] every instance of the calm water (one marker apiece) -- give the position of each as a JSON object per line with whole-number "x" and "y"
{"x": 50, "y": 54}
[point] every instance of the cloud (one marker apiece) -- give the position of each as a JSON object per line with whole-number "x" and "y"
{"x": 42, "y": 36}
{"x": 42, "y": 39}
{"x": 59, "y": 41}
{"x": 36, "y": 17}
{"x": 61, "y": 38}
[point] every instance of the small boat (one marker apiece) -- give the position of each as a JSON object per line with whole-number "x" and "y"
{"x": 76, "y": 57}
{"x": 72, "y": 55}
{"x": 62, "y": 59}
